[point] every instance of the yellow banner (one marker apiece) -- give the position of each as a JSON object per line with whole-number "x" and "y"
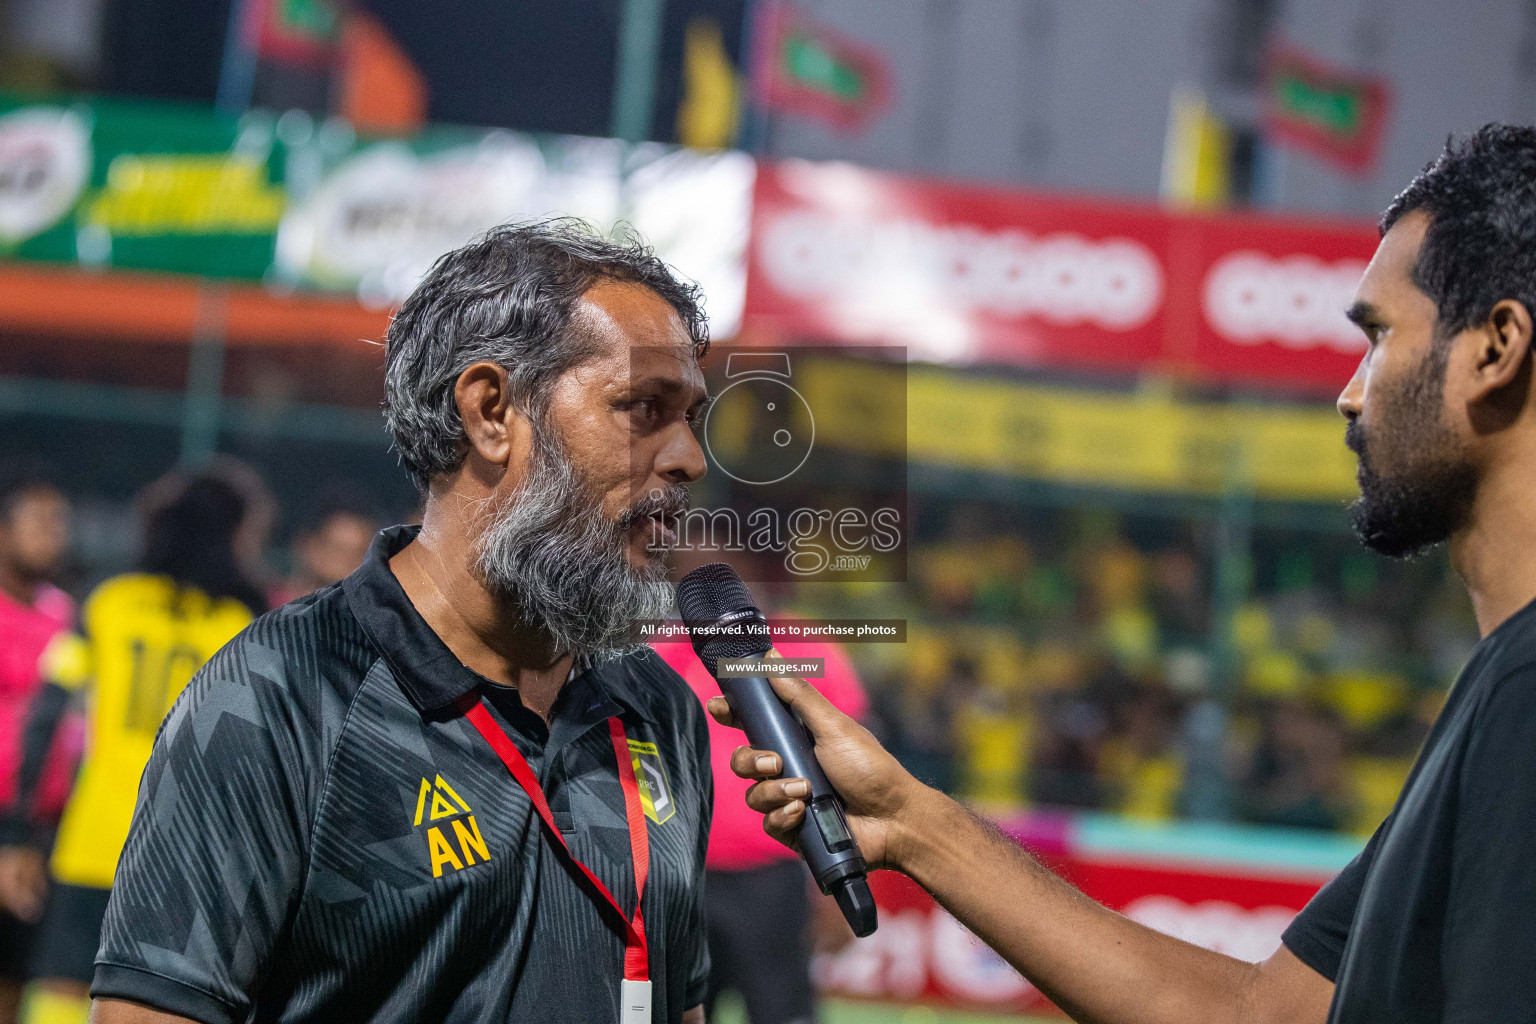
{"x": 1078, "y": 436}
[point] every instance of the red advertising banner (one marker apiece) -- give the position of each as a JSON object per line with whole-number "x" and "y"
{"x": 976, "y": 275}
{"x": 920, "y": 954}
{"x": 1272, "y": 295}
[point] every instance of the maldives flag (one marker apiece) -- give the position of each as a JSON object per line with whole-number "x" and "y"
{"x": 1337, "y": 115}
{"x": 293, "y": 31}
{"x": 800, "y": 65}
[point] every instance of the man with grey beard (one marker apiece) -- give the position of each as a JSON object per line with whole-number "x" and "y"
{"x": 453, "y": 786}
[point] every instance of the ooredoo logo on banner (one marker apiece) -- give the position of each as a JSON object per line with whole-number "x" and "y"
{"x": 1295, "y": 301}
{"x": 1272, "y": 300}
{"x": 1064, "y": 278}
{"x": 958, "y": 274}
{"x": 954, "y": 274}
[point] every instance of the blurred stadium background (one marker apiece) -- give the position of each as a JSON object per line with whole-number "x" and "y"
{"x": 1114, "y": 240}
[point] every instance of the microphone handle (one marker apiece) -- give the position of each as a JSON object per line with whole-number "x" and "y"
{"x": 771, "y": 725}
{"x": 825, "y": 840}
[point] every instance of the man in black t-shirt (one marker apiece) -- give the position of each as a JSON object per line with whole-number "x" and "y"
{"x": 1436, "y": 919}
{"x": 453, "y": 787}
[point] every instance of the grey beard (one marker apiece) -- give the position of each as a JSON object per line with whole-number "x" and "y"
{"x": 550, "y": 551}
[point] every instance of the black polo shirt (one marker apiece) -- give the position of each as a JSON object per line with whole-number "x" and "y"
{"x": 322, "y": 836}
{"x": 1435, "y": 920}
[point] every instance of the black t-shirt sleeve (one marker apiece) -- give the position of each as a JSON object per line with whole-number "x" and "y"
{"x": 215, "y": 858}
{"x": 1317, "y": 935}
{"x": 1490, "y": 925}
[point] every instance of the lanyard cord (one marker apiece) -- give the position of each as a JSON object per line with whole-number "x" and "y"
{"x": 636, "y": 955}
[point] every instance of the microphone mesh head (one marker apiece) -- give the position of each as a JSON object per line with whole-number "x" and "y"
{"x": 704, "y": 596}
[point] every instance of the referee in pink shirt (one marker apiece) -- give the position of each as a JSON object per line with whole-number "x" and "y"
{"x": 758, "y": 894}
{"x": 34, "y": 533}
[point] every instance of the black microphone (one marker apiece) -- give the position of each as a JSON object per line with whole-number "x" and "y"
{"x": 723, "y": 622}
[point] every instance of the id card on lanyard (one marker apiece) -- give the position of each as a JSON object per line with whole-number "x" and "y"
{"x": 635, "y": 991}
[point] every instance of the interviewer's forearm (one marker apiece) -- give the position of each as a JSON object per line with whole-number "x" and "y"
{"x": 1101, "y": 967}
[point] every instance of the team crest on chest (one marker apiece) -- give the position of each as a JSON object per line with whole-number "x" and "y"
{"x": 651, "y": 774}
{"x": 442, "y": 809}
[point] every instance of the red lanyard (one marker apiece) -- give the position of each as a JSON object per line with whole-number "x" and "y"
{"x": 636, "y": 958}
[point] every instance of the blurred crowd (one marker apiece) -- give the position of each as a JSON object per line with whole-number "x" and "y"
{"x": 1070, "y": 658}
{"x": 282, "y": 552}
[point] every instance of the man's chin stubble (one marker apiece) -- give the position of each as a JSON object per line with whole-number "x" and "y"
{"x": 1407, "y": 520}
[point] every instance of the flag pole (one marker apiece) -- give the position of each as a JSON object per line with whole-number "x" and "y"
{"x": 237, "y": 69}
{"x": 203, "y": 399}
{"x": 634, "y": 79}
{"x": 754, "y": 127}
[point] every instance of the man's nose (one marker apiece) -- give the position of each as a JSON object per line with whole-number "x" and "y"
{"x": 681, "y": 458}
{"x": 1352, "y": 398}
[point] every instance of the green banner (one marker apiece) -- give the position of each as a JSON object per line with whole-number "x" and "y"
{"x": 140, "y": 186}
{"x": 305, "y": 204}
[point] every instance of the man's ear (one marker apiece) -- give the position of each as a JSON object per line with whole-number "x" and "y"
{"x": 1503, "y": 345}
{"x": 494, "y": 427}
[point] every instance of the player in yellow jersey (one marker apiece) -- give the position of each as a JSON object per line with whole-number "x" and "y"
{"x": 143, "y": 635}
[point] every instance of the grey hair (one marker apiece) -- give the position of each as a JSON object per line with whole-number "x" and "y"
{"x": 507, "y": 298}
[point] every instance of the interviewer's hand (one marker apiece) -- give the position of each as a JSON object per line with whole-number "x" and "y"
{"x": 881, "y": 799}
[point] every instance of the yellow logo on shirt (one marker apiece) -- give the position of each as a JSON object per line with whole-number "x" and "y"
{"x": 437, "y": 801}
{"x": 651, "y": 774}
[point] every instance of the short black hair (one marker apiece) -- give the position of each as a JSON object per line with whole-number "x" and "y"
{"x": 507, "y": 298}
{"x": 1480, "y": 246}
{"x": 189, "y": 535}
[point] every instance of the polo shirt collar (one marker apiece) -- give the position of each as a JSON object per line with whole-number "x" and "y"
{"x": 434, "y": 678}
